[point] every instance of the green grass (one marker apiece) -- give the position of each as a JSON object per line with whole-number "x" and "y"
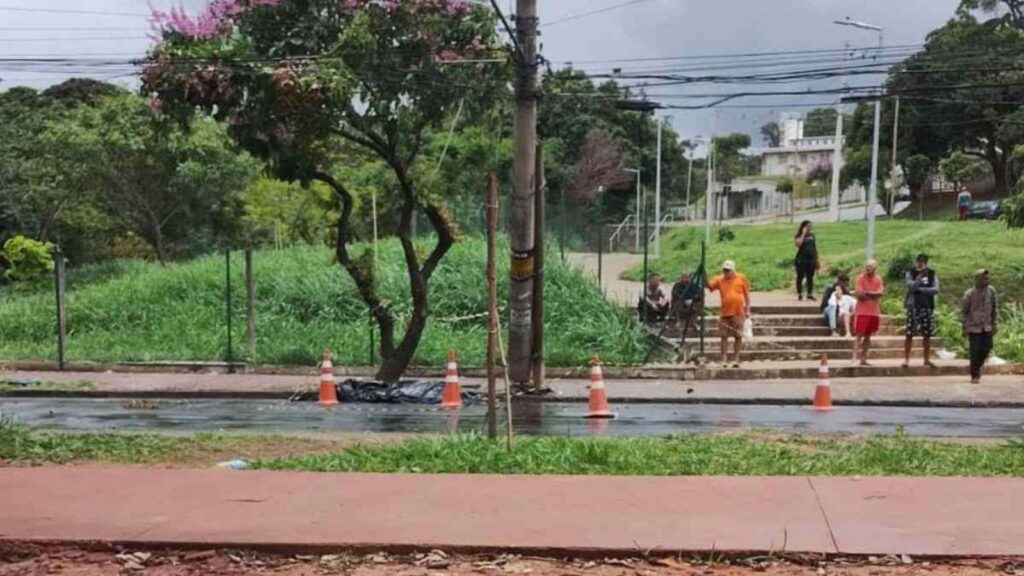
{"x": 138, "y": 311}
{"x": 765, "y": 254}
{"x": 698, "y": 455}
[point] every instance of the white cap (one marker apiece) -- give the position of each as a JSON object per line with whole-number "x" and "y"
{"x": 729, "y": 265}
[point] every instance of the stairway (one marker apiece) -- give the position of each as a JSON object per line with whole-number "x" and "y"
{"x": 789, "y": 338}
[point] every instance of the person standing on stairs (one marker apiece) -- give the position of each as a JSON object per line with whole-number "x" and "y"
{"x": 734, "y": 310}
{"x": 922, "y": 288}
{"x": 869, "y": 290}
{"x": 806, "y": 260}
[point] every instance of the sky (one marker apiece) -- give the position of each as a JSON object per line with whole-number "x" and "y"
{"x": 644, "y": 29}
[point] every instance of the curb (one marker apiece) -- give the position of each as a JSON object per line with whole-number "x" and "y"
{"x": 678, "y": 373}
{"x": 310, "y": 396}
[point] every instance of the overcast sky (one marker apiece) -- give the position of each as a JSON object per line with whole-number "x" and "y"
{"x": 647, "y": 29}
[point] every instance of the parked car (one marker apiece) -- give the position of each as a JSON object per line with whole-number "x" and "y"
{"x": 986, "y": 210}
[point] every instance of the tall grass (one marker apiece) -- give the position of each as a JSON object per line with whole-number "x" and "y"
{"x": 745, "y": 455}
{"x": 137, "y": 311}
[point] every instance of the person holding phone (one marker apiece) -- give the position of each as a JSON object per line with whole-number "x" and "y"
{"x": 806, "y": 260}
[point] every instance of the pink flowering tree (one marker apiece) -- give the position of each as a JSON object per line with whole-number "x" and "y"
{"x": 306, "y": 83}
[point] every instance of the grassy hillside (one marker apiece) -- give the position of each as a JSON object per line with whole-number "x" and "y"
{"x": 138, "y": 311}
{"x": 765, "y": 254}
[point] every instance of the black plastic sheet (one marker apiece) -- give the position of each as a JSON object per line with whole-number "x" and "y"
{"x": 404, "y": 392}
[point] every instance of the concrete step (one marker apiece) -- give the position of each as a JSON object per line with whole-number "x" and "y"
{"x": 781, "y": 309}
{"x": 783, "y": 331}
{"x": 787, "y": 344}
{"x": 811, "y": 355}
{"x": 881, "y": 368}
{"x": 805, "y": 320}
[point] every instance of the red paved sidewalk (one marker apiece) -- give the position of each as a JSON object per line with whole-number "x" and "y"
{"x": 558, "y": 515}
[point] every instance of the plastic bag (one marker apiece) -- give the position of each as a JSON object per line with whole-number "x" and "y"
{"x": 748, "y": 328}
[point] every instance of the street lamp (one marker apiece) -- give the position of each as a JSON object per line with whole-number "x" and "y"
{"x": 873, "y": 189}
{"x": 689, "y": 174}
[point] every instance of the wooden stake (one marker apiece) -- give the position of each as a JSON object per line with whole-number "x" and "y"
{"x": 491, "y": 204}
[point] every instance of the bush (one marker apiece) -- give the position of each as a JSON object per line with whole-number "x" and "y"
{"x": 28, "y": 260}
{"x": 1013, "y": 211}
{"x": 726, "y": 234}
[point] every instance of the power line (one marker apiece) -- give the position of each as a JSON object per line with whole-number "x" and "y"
{"x": 70, "y": 11}
{"x": 591, "y": 13}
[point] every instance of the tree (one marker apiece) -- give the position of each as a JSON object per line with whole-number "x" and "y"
{"x": 297, "y": 78}
{"x": 917, "y": 172}
{"x": 37, "y": 199}
{"x": 961, "y": 170}
{"x": 820, "y": 122}
{"x": 1014, "y": 9}
{"x": 599, "y": 166}
{"x": 966, "y": 104}
{"x": 177, "y": 190}
{"x": 729, "y": 159}
{"x": 772, "y": 134}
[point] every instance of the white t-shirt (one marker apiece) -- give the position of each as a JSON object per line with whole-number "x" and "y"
{"x": 844, "y": 304}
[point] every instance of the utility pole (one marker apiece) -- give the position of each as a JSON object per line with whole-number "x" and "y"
{"x": 689, "y": 183}
{"x": 837, "y": 154}
{"x": 657, "y": 197}
{"x": 892, "y": 169}
{"x": 521, "y": 209}
{"x": 709, "y": 196}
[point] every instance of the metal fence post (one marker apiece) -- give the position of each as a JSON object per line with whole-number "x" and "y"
{"x": 58, "y": 270}
{"x": 250, "y": 302}
{"x": 227, "y": 311}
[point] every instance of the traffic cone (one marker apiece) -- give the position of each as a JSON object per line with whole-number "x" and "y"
{"x": 451, "y": 396}
{"x": 598, "y": 399}
{"x": 823, "y": 392}
{"x": 328, "y": 391}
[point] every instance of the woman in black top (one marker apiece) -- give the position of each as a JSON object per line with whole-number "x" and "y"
{"x": 806, "y": 260}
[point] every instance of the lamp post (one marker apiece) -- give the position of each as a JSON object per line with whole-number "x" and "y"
{"x": 873, "y": 189}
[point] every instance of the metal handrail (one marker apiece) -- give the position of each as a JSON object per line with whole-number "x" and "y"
{"x": 618, "y": 232}
{"x": 669, "y": 217}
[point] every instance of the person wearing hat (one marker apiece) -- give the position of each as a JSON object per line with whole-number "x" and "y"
{"x": 734, "y": 310}
{"x": 922, "y": 288}
{"x": 979, "y": 314}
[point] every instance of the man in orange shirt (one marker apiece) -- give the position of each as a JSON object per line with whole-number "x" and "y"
{"x": 867, "y": 314}
{"x": 735, "y": 308}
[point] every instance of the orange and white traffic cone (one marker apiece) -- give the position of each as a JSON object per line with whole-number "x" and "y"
{"x": 823, "y": 391}
{"x": 328, "y": 391}
{"x": 598, "y": 407}
{"x": 451, "y": 395}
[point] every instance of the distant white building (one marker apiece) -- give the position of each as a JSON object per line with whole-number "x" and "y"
{"x": 798, "y": 155}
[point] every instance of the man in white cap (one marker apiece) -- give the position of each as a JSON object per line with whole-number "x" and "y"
{"x": 735, "y": 309}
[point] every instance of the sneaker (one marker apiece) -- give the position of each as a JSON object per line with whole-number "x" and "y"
{"x": 799, "y": 296}
{"x": 835, "y": 334}
{"x": 811, "y": 297}
{"x": 975, "y": 380}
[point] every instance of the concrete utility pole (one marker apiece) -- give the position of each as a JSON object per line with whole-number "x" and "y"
{"x": 710, "y": 195}
{"x": 873, "y": 189}
{"x": 521, "y": 208}
{"x": 657, "y": 197}
{"x": 895, "y": 147}
{"x": 837, "y": 155}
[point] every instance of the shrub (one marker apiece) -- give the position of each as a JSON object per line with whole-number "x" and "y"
{"x": 726, "y": 234}
{"x": 28, "y": 260}
{"x": 1013, "y": 211}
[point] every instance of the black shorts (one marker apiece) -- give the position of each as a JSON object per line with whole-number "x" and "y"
{"x": 920, "y": 322}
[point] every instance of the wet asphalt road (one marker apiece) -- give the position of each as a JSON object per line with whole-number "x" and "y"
{"x": 530, "y": 418}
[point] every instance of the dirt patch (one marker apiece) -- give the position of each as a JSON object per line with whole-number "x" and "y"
{"x": 31, "y": 560}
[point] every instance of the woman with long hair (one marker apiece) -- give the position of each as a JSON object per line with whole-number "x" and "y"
{"x": 806, "y": 260}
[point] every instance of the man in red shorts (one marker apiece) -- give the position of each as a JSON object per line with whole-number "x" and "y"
{"x": 867, "y": 314}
